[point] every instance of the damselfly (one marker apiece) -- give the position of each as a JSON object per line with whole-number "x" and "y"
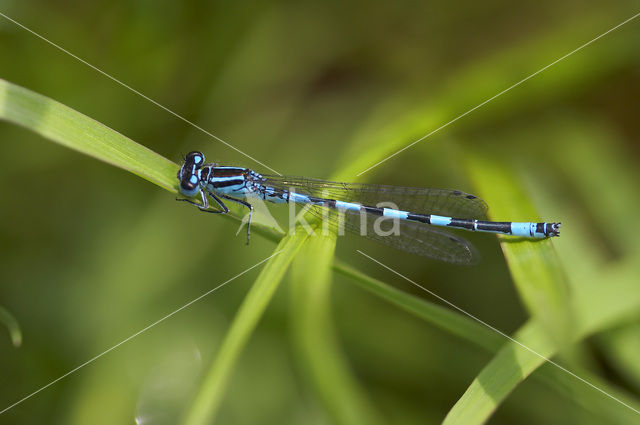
{"x": 420, "y": 213}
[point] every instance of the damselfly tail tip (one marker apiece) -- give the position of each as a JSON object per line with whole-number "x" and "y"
{"x": 555, "y": 229}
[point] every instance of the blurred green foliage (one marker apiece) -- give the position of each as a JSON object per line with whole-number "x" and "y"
{"x": 91, "y": 255}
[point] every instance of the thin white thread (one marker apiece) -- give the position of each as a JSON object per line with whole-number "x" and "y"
{"x": 136, "y": 92}
{"x": 499, "y": 332}
{"x": 500, "y": 94}
{"x": 136, "y": 334}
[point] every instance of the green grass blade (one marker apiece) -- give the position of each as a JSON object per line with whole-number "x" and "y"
{"x": 602, "y": 297}
{"x": 435, "y": 314}
{"x": 534, "y": 265}
{"x": 12, "y": 326}
{"x": 315, "y": 341}
{"x": 581, "y": 315}
{"x": 67, "y": 127}
{"x": 70, "y": 128}
{"x": 207, "y": 401}
{"x": 541, "y": 285}
{"x": 513, "y": 363}
{"x": 507, "y": 369}
{"x": 602, "y": 408}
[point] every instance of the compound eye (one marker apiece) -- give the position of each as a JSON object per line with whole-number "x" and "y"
{"x": 189, "y": 187}
{"x": 195, "y": 157}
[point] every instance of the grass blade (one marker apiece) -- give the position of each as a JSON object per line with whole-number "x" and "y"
{"x": 533, "y": 264}
{"x": 70, "y": 128}
{"x": 434, "y": 314}
{"x": 482, "y": 404}
{"x": 315, "y": 340}
{"x": 208, "y": 398}
{"x": 541, "y": 285}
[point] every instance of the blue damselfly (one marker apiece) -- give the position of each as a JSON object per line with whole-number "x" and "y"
{"x": 421, "y": 214}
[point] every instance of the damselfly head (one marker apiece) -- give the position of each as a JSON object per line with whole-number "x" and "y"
{"x": 189, "y": 174}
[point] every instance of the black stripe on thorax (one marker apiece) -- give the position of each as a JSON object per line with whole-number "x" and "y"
{"x": 226, "y": 183}
{"x": 228, "y": 172}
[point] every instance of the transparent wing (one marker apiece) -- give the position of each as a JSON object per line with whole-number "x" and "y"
{"x": 416, "y": 238}
{"x": 450, "y": 203}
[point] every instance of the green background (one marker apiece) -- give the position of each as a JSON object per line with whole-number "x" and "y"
{"x": 91, "y": 254}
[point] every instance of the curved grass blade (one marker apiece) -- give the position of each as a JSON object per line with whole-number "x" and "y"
{"x": 514, "y": 363}
{"x": 457, "y": 324}
{"x": 316, "y": 343}
{"x": 74, "y": 130}
{"x": 70, "y": 128}
{"x": 592, "y": 308}
{"x": 534, "y": 265}
{"x": 541, "y": 285}
{"x": 437, "y": 315}
{"x": 207, "y": 401}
